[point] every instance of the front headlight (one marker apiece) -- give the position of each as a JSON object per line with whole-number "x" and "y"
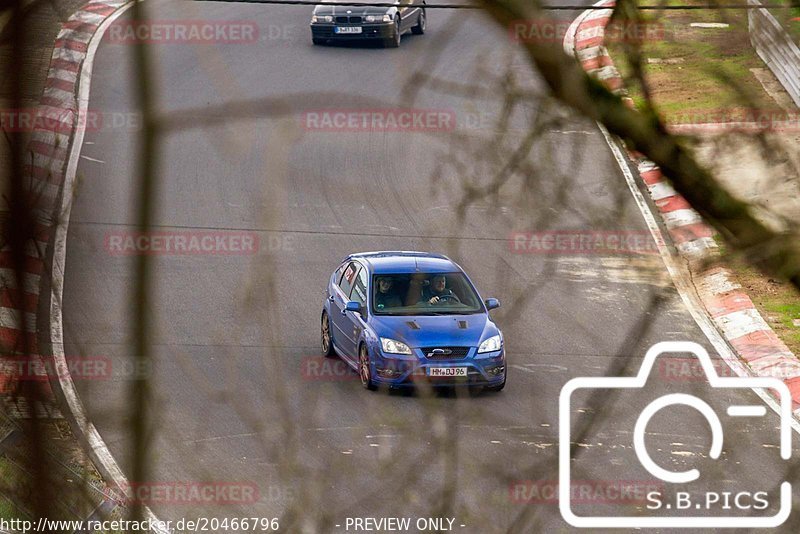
{"x": 321, "y": 18}
{"x": 492, "y": 344}
{"x": 378, "y": 18}
{"x": 391, "y": 346}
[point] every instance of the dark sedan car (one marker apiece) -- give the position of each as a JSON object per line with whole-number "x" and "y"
{"x": 364, "y": 22}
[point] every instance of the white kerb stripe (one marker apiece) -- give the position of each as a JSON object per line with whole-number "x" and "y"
{"x": 697, "y": 248}
{"x": 30, "y": 281}
{"x": 645, "y": 165}
{"x": 61, "y": 74}
{"x": 50, "y": 138}
{"x": 607, "y": 72}
{"x": 715, "y": 283}
{"x": 11, "y": 318}
{"x": 590, "y": 53}
{"x": 599, "y": 14}
{"x": 73, "y": 56}
{"x": 69, "y": 34}
{"x": 674, "y": 219}
{"x": 740, "y": 323}
{"x": 661, "y": 190}
{"x": 87, "y": 16}
{"x": 59, "y": 94}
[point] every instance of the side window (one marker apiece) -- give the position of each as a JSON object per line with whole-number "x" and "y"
{"x": 359, "y": 293}
{"x": 338, "y": 274}
{"x": 336, "y": 277}
{"x": 349, "y": 275}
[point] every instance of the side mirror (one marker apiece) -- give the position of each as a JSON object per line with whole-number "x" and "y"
{"x": 492, "y": 304}
{"x": 351, "y": 306}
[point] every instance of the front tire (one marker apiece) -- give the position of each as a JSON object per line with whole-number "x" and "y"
{"x": 394, "y": 40}
{"x": 364, "y": 370}
{"x": 327, "y": 340}
{"x": 318, "y": 41}
{"x": 419, "y": 29}
{"x": 498, "y": 387}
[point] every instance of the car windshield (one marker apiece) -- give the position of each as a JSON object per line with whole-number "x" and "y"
{"x": 424, "y": 294}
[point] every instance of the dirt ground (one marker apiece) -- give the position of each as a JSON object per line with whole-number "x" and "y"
{"x": 764, "y": 170}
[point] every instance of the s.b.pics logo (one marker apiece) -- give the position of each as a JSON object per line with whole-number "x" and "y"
{"x": 705, "y": 480}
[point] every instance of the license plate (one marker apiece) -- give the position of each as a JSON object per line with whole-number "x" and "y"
{"x": 347, "y": 29}
{"x": 447, "y": 371}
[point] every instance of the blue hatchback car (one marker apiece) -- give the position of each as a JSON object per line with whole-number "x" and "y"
{"x": 401, "y": 317}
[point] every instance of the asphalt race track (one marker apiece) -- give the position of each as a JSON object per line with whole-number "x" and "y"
{"x": 239, "y": 394}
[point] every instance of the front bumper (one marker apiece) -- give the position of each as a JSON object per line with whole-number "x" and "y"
{"x": 326, "y": 30}
{"x": 403, "y": 371}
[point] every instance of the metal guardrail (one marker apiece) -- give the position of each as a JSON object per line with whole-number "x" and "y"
{"x": 776, "y": 48}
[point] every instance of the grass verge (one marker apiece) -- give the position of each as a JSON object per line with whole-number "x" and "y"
{"x": 697, "y": 74}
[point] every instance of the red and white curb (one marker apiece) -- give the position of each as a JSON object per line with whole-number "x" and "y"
{"x": 55, "y": 149}
{"x": 57, "y": 118}
{"x": 733, "y": 313}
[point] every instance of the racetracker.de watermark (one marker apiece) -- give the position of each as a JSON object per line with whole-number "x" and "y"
{"x": 182, "y": 243}
{"x": 65, "y": 121}
{"x": 553, "y": 31}
{"x": 691, "y": 369}
{"x": 579, "y": 242}
{"x": 379, "y": 120}
{"x": 189, "y": 492}
{"x": 734, "y": 121}
{"x": 322, "y": 369}
{"x": 38, "y": 368}
{"x": 183, "y": 32}
{"x": 584, "y": 491}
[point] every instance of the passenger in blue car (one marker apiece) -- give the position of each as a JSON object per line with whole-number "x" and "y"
{"x": 438, "y": 293}
{"x": 385, "y": 297}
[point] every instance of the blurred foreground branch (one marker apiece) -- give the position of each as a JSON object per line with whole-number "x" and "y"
{"x": 773, "y": 252}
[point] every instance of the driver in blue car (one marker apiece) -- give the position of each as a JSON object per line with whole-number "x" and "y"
{"x": 385, "y": 297}
{"x": 437, "y": 291}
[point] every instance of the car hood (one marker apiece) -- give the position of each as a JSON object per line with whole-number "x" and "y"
{"x": 435, "y": 330}
{"x": 350, "y": 6}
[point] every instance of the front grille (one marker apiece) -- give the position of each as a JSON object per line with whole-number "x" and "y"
{"x": 352, "y": 19}
{"x": 455, "y": 353}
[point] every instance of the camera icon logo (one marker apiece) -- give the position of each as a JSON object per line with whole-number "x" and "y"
{"x": 784, "y": 401}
